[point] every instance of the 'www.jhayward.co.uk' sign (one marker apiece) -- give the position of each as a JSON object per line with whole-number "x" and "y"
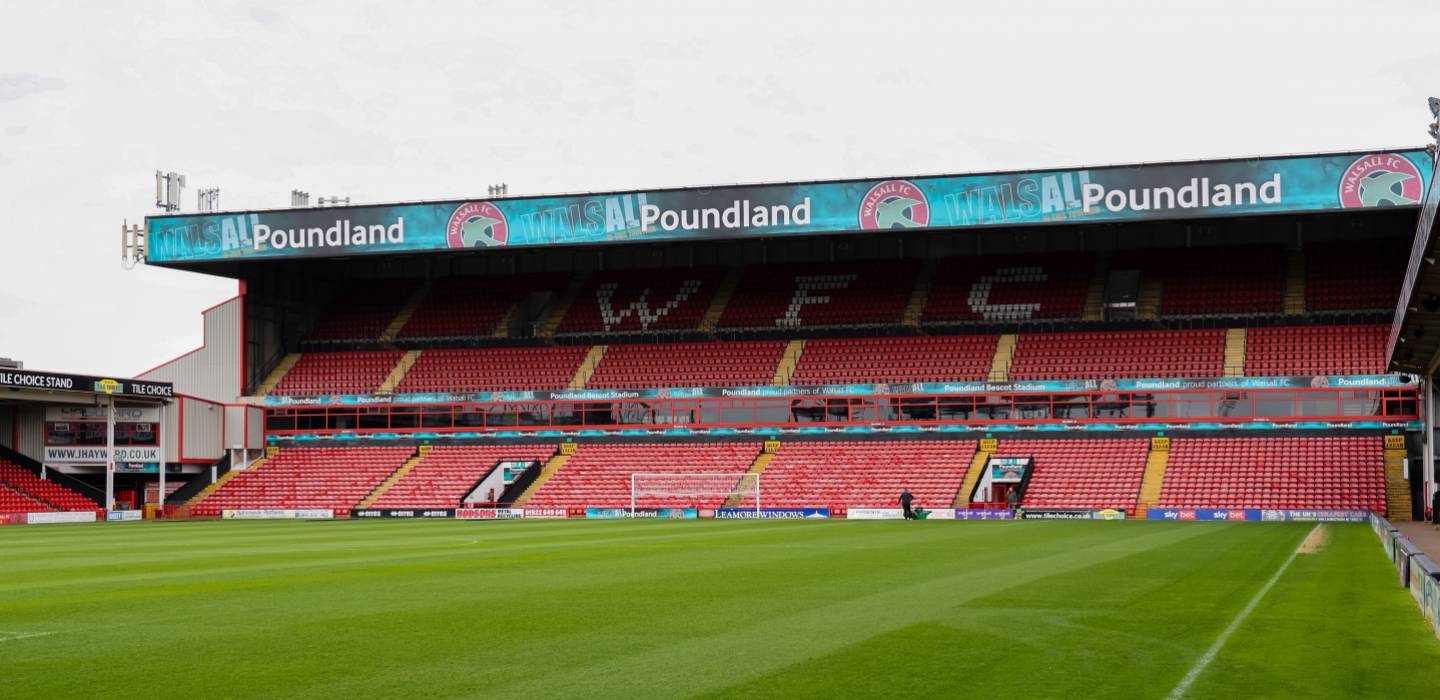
{"x": 1119, "y": 193}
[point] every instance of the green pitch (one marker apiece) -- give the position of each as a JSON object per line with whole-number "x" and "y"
{"x": 710, "y": 609}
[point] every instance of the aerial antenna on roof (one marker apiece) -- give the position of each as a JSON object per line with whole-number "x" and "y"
{"x": 167, "y": 190}
{"x": 132, "y": 245}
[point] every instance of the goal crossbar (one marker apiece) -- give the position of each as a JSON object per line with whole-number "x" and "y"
{"x": 680, "y": 485}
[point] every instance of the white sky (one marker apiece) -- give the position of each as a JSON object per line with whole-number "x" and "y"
{"x": 426, "y": 100}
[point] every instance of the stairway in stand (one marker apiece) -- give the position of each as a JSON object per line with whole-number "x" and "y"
{"x": 406, "y": 312}
{"x": 398, "y": 475}
{"x": 396, "y": 375}
{"x": 1397, "y": 488}
{"x": 786, "y": 368}
{"x": 1094, "y": 308}
{"x": 711, "y": 320}
{"x": 287, "y": 363}
{"x": 1004, "y": 355}
{"x": 1147, "y": 302}
{"x": 586, "y": 370}
{"x": 1154, "y": 480}
{"x": 915, "y": 307}
{"x": 1295, "y": 284}
{"x": 975, "y": 472}
{"x": 566, "y": 450}
{"x": 227, "y": 476}
{"x": 762, "y": 460}
{"x": 556, "y": 313}
{"x": 1235, "y": 352}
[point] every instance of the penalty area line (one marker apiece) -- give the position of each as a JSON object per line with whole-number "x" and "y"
{"x": 22, "y": 636}
{"x": 1214, "y": 649}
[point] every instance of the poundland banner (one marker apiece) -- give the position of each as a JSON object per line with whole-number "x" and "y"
{"x": 1150, "y": 191}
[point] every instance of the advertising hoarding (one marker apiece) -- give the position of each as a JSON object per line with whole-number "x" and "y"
{"x": 278, "y": 513}
{"x": 670, "y": 513}
{"x": 1258, "y": 515}
{"x": 773, "y": 513}
{"x": 1156, "y": 191}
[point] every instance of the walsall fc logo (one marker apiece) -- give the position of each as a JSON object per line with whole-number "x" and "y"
{"x": 894, "y": 204}
{"x": 1384, "y": 180}
{"x": 477, "y": 225}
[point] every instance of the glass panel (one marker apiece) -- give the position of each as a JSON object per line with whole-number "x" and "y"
{"x": 837, "y": 410}
{"x": 807, "y": 410}
{"x": 635, "y": 414}
{"x": 404, "y": 420}
{"x": 436, "y": 420}
{"x": 1191, "y": 408}
{"x": 772, "y": 411}
{"x": 1233, "y": 404}
{"x": 279, "y": 423}
{"x": 1284, "y": 408}
{"x": 471, "y": 417}
{"x": 916, "y": 409}
{"x": 374, "y": 421}
{"x": 956, "y": 408}
{"x": 534, "y": 415}
{"x": 342, "y": 422}
{"x": 887, "y": 409}
{"x": 562, "y": 414}
{"x": 739, "y": 412}
{"x": 599, "y": 414}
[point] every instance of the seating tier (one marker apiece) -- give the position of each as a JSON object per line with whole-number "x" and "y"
{"x": 598, "y": 476}
{"x": 1329, "y": 473}
{"x": 748, "y": 363}
{"x": 337, "y": 373}
{"x": 449, "y": 472}
{"x": 1009, "y": 287}
{"x": 821, "y": 294}
{"x": 1121, "y": 355}
{"x": 496, "y": 369}
{"x": 321, "y": 477}
{"x": 896, "y": 360}
{"x": 1311, "y": 350}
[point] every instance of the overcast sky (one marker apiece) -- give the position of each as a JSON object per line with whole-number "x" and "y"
{"x": 393, "y": 101}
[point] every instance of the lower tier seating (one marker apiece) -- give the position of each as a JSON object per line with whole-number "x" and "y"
{"x": 12, "y": 501}
{"x": 310, "y": 477}
{"x": 864, "y": 474}
{"x": 449, "y": 472}
{"x": 1331, "y": 473}
{"x": 1308, "y": 350}
{"x": 495, "y": 369}
{"x": 337, "y": 373}
{"x": 1124, "y": 355}
{"x": 48, "y": 494}
{"x": 963, "y": 358}
{"x": 1081, "y": 473}
{"x": 749, "y": 363}
{"x": 598, "y": 476}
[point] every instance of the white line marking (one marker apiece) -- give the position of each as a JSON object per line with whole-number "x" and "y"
{"x": 23, "y": 636}
{"x": 1214, "y": 649}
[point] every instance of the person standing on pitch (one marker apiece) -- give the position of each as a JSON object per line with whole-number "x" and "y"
{"x": 905, "y": 499}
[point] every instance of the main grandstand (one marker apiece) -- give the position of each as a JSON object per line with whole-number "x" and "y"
{"x": 1208, "y": 334}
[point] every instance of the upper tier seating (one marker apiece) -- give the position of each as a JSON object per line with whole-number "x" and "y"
{"x": 1212, "y": 280}
{"x": 1309, "y": 350}
{"x": 1121, "y": 355}
{"x": 1333, "y": 473}
{"x": 337, "y": 373}
{"x": 1355, "y": 274}
{"x": 964, "y": 358}
{"x": 821, "y": 294}
{"x": 643, "y": 300}
{"x": 49, "y": 494}
{"x": 598, "y": 476}
{"x": 449, "y": 472}
{"x": 363, "y": 311}
{"x": 1081, "y": 473}
{"x": 310, "y": 477}
{"x": 472, "y": 306}
{"x": 864, "y": 474}
{"x": 1009, "y": 287}
{"x": 494, "y": 369}
{"x": 750, "y": 363}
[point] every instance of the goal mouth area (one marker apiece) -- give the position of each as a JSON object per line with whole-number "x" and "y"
{"x": 744, "y": 486}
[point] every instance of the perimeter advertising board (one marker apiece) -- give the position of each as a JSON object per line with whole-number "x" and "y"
{"x": 1259, "y": 515}
{"x": 773, "y": 513}
{"x": 1162, "y": 191}
{"x": 278, "y": 513}
{"x": 403, "y": 513}
{"x": 87, "y": 516}
{"x": 670, "y": 513}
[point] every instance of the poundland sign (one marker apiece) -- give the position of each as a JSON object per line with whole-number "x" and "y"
{"x": 1120, "y": 193}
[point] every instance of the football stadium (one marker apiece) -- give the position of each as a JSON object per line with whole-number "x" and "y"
{"x": 1140, "y": 430}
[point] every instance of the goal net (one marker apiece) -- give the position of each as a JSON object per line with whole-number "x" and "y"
{"x": 705, "y": 490}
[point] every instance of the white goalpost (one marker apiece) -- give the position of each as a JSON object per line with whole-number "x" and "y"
{"x": 742, "y": 488}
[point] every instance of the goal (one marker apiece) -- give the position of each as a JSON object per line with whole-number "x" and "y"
{"x": 685, "y": 490}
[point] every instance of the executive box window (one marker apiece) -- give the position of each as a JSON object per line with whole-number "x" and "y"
{"x": 1178, "y": 405}
{"x": 93, "y": 434}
